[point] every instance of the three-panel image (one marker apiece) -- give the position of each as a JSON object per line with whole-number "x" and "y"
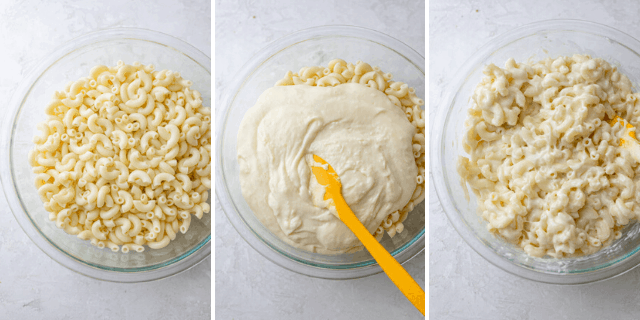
{"x": 287, "y": 178}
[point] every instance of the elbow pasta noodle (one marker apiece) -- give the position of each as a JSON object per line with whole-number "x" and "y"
{"x": 115, "y": 146}
{"x": 338, "y": 72}
{"x": 544, "y": 157}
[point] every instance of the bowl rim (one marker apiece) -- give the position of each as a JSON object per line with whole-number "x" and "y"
{"x": 112, "y": 274}
{"x": 222, "y": 192}
{"x": 618, "y": 267}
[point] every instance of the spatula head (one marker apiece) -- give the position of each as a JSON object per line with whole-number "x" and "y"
{"x": 627, "y": 127}
{"x": 326, "y": 176}
{"x": 628, "y": 141}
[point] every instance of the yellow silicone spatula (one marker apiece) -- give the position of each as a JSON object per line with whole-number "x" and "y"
{"x": 629, "y": 142}
{"x": 327, "y": 177}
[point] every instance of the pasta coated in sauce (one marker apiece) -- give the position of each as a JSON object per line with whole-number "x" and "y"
{"x": 544, "y": 161}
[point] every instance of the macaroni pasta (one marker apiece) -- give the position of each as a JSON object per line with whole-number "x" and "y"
{"x": 123, "y": 159}
{"x": 544, "y": 160}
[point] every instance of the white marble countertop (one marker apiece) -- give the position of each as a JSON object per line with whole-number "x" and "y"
{"x": 248, "y": 286}
{"x": 462, "y": 285}
{"x": 33, "y": 286}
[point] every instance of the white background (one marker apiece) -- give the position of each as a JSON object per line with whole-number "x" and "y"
{"x": 462, "y": 284}
{"x": 32, "y": 286}
{"x": 248, "y": 286}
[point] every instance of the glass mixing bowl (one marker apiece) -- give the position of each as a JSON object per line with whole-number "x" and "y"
{"x": 69, "y": 63}
{"x": 536, "y": 41}
{"x": 310, "y": 47}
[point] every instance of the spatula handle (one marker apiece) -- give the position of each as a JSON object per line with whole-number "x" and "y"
{"x": 390, "y": 265}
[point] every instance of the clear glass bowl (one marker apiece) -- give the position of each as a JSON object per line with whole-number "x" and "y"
{"x": 310, "y": 47}
{"x": 536, "y": 41}
{"x": 69, "y": 63}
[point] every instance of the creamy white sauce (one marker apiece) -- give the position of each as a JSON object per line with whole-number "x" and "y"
{"x": 356, "y": 129}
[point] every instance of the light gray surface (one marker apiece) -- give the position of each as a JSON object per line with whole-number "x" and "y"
{"x": 32, "y": 286}
{"x": 462, "y": 284}
{"x": 248, "y": 286}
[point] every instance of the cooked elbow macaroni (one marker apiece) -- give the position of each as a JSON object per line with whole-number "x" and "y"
{"x": 544, "y": 160}
{"x": 124, "y": 157}
{"x": 400, "y": 94}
